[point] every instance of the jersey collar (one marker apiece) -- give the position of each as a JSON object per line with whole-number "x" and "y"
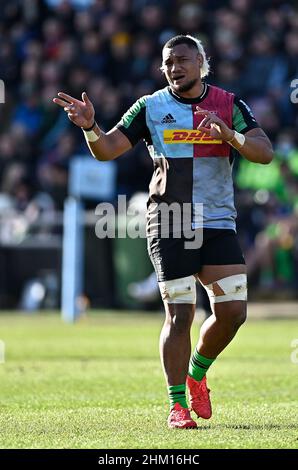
{"x": 190, "y": 100}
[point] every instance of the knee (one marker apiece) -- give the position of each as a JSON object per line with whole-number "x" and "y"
{"x": 236, "y": 314}
{"x": 240, "y": 317}
{"x": 180, "y": 321}
{"x": 180, "y": 324}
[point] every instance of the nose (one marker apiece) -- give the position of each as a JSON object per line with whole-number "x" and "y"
{"x": 175, "y": 67}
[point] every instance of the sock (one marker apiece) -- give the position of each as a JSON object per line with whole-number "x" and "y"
{"x": 199, "y": 365}
{"x": 177, "y": 395}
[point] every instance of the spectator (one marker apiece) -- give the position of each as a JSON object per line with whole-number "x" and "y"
{"x": 106, "y": 47}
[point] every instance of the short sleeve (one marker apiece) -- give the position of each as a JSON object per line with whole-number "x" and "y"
{"x": 243, "y": 118}
{"x": 133, "y": 122}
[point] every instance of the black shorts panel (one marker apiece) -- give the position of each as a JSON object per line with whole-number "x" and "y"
{"x": 171, "y": 260}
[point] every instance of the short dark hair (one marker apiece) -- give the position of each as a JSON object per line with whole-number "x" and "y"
{"x": 181, "y": 39}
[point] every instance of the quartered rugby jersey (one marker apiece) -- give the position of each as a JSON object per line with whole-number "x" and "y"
{"x": 189, "y": 167}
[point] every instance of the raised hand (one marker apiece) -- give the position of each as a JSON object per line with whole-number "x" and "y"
{"x": 214, "y": 126}
{"x": 81, "y": 113}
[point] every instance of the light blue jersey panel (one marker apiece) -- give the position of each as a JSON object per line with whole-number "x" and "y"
{"x": 213, "y": 187}
{"x": 158, "y": 108}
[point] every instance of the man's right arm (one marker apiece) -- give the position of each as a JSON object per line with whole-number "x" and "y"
{"x": 109, "y": 145}
{"x": 103, "y": 146}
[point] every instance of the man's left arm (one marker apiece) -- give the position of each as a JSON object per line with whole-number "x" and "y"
{"x": 257, "y": 147}
{"x": 246, "y": 136}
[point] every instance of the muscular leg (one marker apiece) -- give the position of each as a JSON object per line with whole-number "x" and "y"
{"x": 175, "y": 343}
{"x": 220, "y": 328}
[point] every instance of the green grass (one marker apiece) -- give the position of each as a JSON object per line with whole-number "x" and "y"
{"x": 98, "y": 384}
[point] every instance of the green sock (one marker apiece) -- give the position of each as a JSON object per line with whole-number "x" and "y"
{"x": 177, "y": 395}
{"x": 199, "y": 365}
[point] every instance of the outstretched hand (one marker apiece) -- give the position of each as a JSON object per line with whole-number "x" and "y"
{"x": 213, "y": 126}
{"x": 79, "y": 112}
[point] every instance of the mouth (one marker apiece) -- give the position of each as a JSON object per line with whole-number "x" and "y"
{"x": 178, "y": 78}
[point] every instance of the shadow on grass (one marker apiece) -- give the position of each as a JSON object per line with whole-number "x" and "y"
{"x": 249, "y": 427}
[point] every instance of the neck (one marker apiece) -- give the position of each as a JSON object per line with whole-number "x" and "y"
{"x": 194, "y": 92}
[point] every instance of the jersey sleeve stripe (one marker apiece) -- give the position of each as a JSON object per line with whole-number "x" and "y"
{"x": 243, "y": 118}
{"x": 133, "y": 123}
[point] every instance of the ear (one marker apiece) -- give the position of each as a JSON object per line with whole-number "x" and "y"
{"x": 200, "y": 59}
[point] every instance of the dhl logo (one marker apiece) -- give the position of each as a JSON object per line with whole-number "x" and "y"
{"x": 187, "y": 136}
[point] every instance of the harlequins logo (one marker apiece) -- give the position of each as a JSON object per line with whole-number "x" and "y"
{"x": 168, "y": 119}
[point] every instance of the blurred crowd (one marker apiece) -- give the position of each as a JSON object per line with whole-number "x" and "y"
{"x": 112, "y": 49}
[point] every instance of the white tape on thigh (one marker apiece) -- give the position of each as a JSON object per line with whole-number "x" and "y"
{"x": 179, "y": 291}
{"x": 234, "y": 288}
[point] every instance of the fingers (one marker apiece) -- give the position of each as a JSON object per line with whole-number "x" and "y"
{"x": 67, "y": 106}
{"x": 71, "y": 112}
{"x": 210, "y": 117}
{"x": 216, "y": 127}
{"x": 210, "y": 121}
{"x": 74, "y": 108}
{"x": 210, "y": 130}
{"x": 85, "y": 98}
{"x": 68, "y": 102}
{"x": 202, "y": 111}
{"x": 61, "y": 103}
{"x": 205, "y": 130}
{"x": 68, "y": 98}
{"x": 206, "y": 122}
{"x": 70, "y": 109}
{"x": 72, "y": 116}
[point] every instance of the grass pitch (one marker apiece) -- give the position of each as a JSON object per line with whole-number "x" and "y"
{"x": 99, "y": 384}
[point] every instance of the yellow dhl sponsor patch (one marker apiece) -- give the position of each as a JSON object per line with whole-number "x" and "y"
{"x": 187, "y": 136}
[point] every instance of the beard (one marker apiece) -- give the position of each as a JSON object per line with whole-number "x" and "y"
{"x": 186, "y": 86}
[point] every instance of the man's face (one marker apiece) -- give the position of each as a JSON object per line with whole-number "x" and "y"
{"x": 181, "y": 65}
